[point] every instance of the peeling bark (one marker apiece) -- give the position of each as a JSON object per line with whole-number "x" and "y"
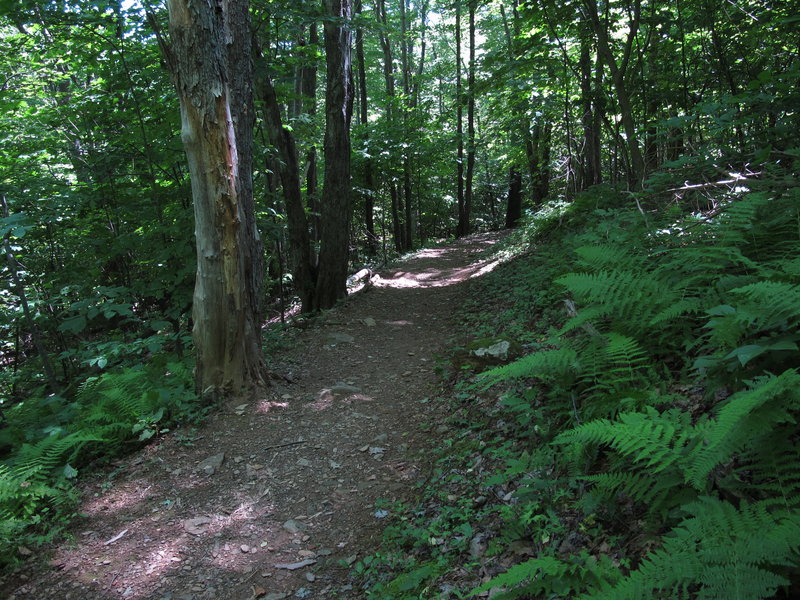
{"x": 209, "y": 58}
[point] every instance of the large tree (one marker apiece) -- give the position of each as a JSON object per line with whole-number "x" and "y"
{"x": 210, "y": 61}
{"x": 337, "y": 205}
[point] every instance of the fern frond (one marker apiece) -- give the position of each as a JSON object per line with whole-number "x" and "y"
{"x": 632, "y": 298}
{"x": 720, "y": 551}
{"x": 653, "y": 440}
{"x": 35, "y": 462}
{"x": 742, "y": 420}
{"x": 771, "y": 304}
{"x": 548, "y": 365}
{"x": 606, "y": 256}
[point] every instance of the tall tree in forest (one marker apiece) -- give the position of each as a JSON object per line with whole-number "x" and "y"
{"x": 363, "y": 120}
{"x": 398, "y": 230}
{"x": 618, "y": 66}
{"x": 336, "y": 206}
{"x": 461, "y": 227}
{"x": 209, "y": 56}
{"x": 470, "y": 175}
{"x": 301, "y": 257}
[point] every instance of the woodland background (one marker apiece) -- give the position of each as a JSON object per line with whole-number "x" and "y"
{"x": 644, "y": 150}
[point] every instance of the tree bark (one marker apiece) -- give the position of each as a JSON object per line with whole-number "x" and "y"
{"x": 307, "y": 88}
{"x": 514, "y": 204}
{"x": 363, "y": 113}
{"x": 405, "y": 61}
{"x": 388, "y": 75}
{"x": 210, "y": 62}
{"x": 461, "y": 227}
{"x": 591, "y": 173}
{"x": 300, "y": 254}
{"x": 636, "y": 170}
{"x": 469, "y": 192}
{"x": 336, "y": 193}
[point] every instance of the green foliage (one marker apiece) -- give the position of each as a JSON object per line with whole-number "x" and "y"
{"x": 48, "y": 440}
{"x": 718, "y": 551}
{"x": 709, "y": 309}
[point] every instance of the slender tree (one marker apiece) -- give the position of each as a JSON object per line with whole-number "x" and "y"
{"x": 470, "y": 174}
{"x": 363, "y": 120}
{"x": 336, "y": 193}
{"x": 461, "y": 227}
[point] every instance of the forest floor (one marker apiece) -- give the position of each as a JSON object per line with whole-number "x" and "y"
{"x": 277, "y": 495}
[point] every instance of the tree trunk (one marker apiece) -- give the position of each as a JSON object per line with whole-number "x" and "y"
{"x": 514, "y": 205}
{"x": 300, "y": 254}
{"x": 336, "y": 192}
{"x": 461, "y": 227}
{"x": 468, "y": 196}
{"x": 636, "y": 170}
{"x": 211, "y": 66}
{"x": 540, "y": 162}
{"x": 405, "y": 61}
{"x": 591, "y": 173}
{"x": 388, "y": 75}
{"x": 363, "y": 113}
{"x": 308, "y": 93}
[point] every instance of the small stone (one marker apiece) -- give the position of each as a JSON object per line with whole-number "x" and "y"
{"x": 211, "y": 464}
{"x": 476, "y": 547}
{"x": 310, "y": 577}
{"x": 244, "y": 548}
{"x": 294, "y": 526}
{"x": 369, "y": 321}
{"x": 196, "y": 526}
{"x": 297, "y": 565}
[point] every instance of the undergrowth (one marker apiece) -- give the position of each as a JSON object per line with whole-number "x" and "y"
{"x": 647, "y": 447}
{"x": 46, "y": 441}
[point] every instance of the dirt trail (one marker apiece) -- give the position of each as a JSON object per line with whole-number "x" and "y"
{"x": 294, "y": 500}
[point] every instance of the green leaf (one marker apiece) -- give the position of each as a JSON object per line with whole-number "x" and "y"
{"x": 70, "y": 472}
{"x": 73, "y": 324}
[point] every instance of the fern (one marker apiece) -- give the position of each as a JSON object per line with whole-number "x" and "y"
{"x": 547, "y": 365}
{"x": 720, "y": 551}
{"x": 743, "y": 420}
{"x": 600, "y": 257}
{"x": 550, "y": 575}
{"x": 649, "y": 439}
{"x": 630, "y": 299}
{"x": 35, "y": 462}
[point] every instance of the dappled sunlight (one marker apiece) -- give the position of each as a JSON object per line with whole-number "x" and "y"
{"x": 440, "y": 275}
{"x": 119, "y": 498}
{"x": 264, "y": 406}
{"x": 431, "y": 253}
{"x": 326, "y": 397}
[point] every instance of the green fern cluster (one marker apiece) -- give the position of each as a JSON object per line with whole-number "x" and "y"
{"x": 712, "y": 477}
{"x": 108, "y": 412}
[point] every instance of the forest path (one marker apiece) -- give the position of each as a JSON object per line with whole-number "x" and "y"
{"x": 293, "y": 501}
